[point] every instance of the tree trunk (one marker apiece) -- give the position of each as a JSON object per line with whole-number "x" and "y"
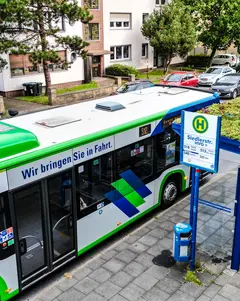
{"x": 212, "y": 55}
{"x": 43, "y": 37}
{"x": 166, "y": 63}
{"x": 47, "y": 76}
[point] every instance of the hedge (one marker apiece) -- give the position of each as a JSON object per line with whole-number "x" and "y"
{"x": 198, "y": 60}
{"x": 121, "y": 70}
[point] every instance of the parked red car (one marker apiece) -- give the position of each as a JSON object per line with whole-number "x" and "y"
{"x": 181, "y": 78}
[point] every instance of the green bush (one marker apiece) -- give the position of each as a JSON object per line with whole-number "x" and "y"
{"x": 198, "y": 60}
{"x": 121, "y": 70}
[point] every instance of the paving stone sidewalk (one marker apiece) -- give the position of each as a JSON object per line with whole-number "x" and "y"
{"x": 126, "y": 272}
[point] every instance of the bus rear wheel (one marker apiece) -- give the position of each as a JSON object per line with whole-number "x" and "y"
{"x": 169, "y": 194}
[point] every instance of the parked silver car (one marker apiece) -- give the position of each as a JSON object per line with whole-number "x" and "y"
{"x": 210, "y": 76}
{"x": 230, "y": 60}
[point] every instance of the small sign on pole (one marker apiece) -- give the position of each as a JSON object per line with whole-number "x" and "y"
{"x": 200, "y": 141}
{"x": 200, "y": 134}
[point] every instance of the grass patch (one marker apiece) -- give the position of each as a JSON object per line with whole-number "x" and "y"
{"x": 42, "y": 99}
{"x": 192, "y": 277}
{"x": 92, "y": 85}
{"x": 154, "y": 75}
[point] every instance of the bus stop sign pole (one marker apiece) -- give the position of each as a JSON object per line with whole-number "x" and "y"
{"x": 194, "y": 212}
{"x": 199, "y": 149}
{"x": 236, "y": 241}
{"x": 192, "y": 195}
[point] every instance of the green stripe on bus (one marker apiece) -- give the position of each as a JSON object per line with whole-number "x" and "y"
{"x": 122, "y": 186}
{"x": 135, "y": 199}
{"x": 101, "y": 239}
{"x": 4, "y": 294}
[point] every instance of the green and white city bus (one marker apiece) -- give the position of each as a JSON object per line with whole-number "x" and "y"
{"x": 72, "y": 176}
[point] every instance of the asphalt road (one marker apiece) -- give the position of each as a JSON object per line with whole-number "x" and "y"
{"x": 228, "y": 161}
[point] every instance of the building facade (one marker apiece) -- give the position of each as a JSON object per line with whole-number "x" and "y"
{"x": 20, "y": 70}
{"x": 122, "y": 33}
{"x": 93, "y": 33}
{"x": 114, "y": 36}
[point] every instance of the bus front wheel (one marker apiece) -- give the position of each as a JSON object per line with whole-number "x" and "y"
{"x": 169, "y": 194}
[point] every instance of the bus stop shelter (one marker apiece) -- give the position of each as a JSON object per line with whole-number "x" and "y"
{"x": 233, "y": 146}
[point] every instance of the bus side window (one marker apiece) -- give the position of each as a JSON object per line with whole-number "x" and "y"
{"x": 93, "y": 180}
{"x": 138, "y": 157}
{"x": 4, "y": 212}
{"x": 167, "y": 149}
{"x": 6, "y": 230}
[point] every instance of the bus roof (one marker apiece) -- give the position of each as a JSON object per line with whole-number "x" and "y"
{"x": 46, "y": 132}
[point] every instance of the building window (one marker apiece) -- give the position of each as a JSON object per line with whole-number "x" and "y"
{"x": 92, "y": 31}
{"x": 144, "y": 50}
{"x": 162, "y": 2}
{"x": 92, "y": 4}
{"x": 120, "y": 52}
{"x": 21, "y": 64}
{"x": 120, "y": 21}
{"x": 145, "y": 17}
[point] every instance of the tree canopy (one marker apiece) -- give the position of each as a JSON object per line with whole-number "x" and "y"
{"x": 34, "y": 26}
{"x": 217, "y": 22}
{"x": 170, "y": 31}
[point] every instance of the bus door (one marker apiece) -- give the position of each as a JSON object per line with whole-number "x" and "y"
{"x": 62, "y": 220}
{"x": 45, "y": 226}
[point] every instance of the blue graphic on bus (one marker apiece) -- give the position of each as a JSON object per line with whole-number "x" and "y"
{"x": 129, "y": 193}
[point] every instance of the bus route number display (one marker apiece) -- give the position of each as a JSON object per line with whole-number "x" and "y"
{"x": 145, "y": 130}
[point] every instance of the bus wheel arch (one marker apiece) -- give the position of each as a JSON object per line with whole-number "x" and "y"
{"x": 170, "y": 189}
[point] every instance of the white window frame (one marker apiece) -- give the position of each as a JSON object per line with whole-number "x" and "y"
{"x": 146, "y": 50}
{"x": 120, "y": 22}
{"x": 122, "y": 58}
{"x": 122, "y": 25}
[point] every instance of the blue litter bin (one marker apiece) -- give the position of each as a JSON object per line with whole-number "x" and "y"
{"x": 182, "y": 242}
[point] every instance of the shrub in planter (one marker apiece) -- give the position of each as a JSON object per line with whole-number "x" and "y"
{"x": 121, "y": 70}
{"x": 198, "y": 60}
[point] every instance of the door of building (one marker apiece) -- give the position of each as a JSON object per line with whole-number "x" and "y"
{"x": 96, "y": 66}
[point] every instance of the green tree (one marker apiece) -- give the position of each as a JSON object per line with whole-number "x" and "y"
{"x": 33, "y": 26}
{"x": 170, "y": 31}
{"x": 217, "y": 22}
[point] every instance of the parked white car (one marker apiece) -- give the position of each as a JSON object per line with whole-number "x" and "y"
{"x": 210, "y": 76}
{"x": 230, "y": 60}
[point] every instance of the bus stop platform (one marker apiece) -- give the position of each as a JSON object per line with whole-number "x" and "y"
{"x": 140, "y": 267}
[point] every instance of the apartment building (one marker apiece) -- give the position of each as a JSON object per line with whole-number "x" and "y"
{"x": 20, "y": 70}
{"x": 122, "y": 32}
{"x": 114, "y": 36}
